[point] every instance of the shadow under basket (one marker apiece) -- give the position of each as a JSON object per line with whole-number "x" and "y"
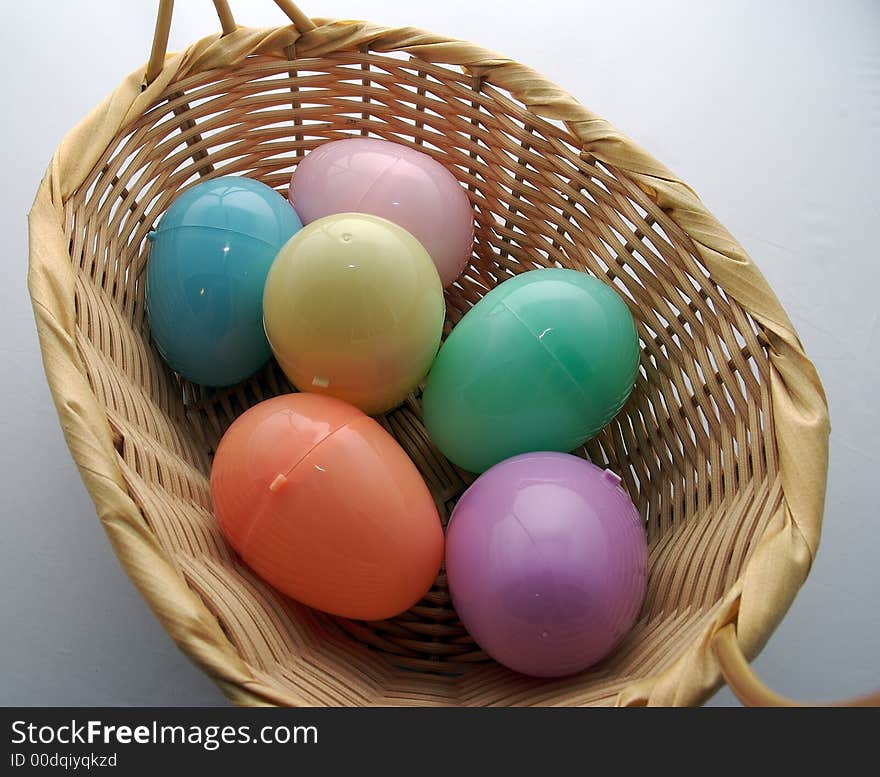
{"x": 722, "y": 445}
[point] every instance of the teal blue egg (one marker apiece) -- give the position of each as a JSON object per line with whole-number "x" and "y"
{"x": 209, "y": 258}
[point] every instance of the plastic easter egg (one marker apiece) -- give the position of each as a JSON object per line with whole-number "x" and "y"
{"x": 366, "y": 175}
{"x": 323, "y": 504}
{"x": 208, "y": 263}
{"x": 354, "y": 309}
{"x": 541, "y": 363}
{"x": 546, "y": 559}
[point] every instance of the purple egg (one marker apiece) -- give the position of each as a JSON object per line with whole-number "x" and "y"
{"x": 547, "y": 560}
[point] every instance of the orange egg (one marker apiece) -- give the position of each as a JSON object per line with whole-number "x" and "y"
{"x": 321, "y": 502}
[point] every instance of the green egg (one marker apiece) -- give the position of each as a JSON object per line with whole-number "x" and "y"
{"x": 542, "y": 363}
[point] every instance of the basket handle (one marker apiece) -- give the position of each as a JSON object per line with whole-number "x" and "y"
{"x": 749, "y": 689}
{"x": 227, "y": 23}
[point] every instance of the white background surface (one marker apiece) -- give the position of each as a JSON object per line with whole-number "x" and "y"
{"x": 771, "y": 111}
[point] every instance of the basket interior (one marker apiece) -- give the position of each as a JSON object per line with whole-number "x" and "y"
{"x": 693, "y": 444}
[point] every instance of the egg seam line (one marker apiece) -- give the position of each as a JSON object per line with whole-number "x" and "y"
{"x": 374, "y": 183}
{"x": 252, "y": 528}
{"x": 159, "y": 231}
{"x": 550, "y": 353}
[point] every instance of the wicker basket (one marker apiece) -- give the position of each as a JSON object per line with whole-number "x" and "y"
{"x": 723, "y": 444}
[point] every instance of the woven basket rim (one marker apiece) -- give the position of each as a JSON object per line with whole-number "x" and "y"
{"x": 754, "y": 604}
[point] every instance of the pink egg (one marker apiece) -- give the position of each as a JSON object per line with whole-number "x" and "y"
{"x": 366, "y": 175}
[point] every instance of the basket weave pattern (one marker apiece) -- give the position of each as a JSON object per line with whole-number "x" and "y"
{"x": 723, "y": 443}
